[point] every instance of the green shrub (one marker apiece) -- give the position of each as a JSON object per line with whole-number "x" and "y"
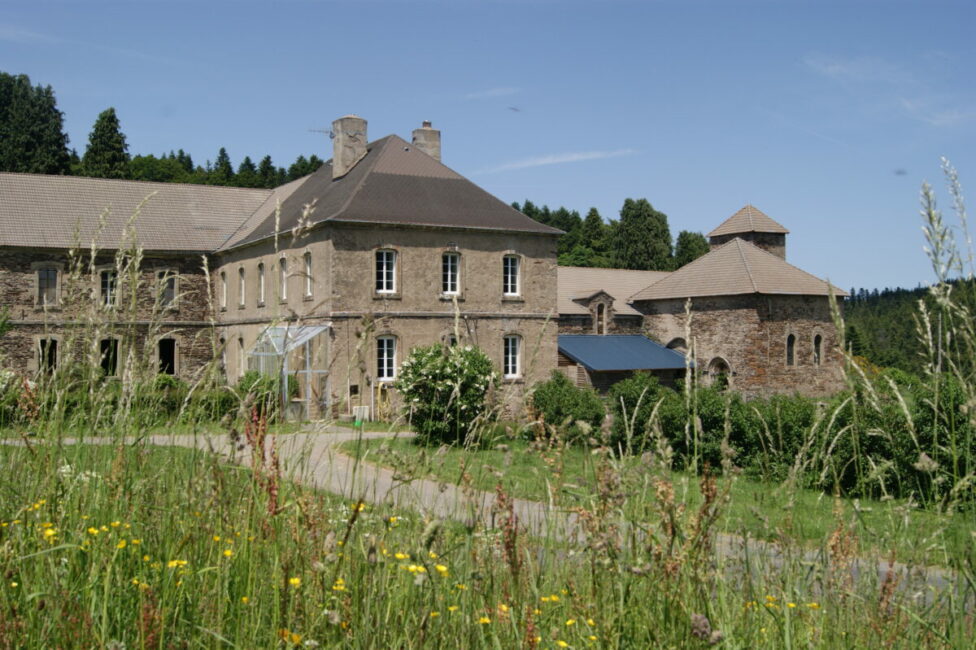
{"x": 632, "y": 402}
{"x": 444, "y": 390}
{"x": 560, "y": 402}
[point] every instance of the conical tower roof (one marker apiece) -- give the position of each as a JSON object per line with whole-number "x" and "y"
{"x": 748, "y": 219}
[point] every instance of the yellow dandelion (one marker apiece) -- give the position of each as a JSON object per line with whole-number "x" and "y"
{"x": 14, "y": 585}
{"x": 460, "y": 587}
{"x": 392, "y": 519}
{"x": 121, "y": 544}
{"x": 216, "y": 538}
{"x": 174, "y": 564}
{"x": 562, "y": 644}
{"x": 441, "y": 569}
{"x": 228, "y": 552}
{"x": 791, "y": 605}
{"x": 115, "y": 524}
{"x": 103, "y": 528}
{"x": 590, "y": 622}
{"x": 135, "y": 581}
{"x": 135, "y": 542}
{"x": 402, "y": 556}
{"x": 570, "y": 622}
{"x": 92, "y": 530}
{"x": 484, "y": 620}
{"x": 435, "y": 614}
{"x": 295, "y": 582}
{"x": 452, "y": 608}
{"x": 47, "y": 524}
{"x": 592, "y": 637}
{"x": 245, "y": 600}
{"x": 536, "y": 612}
{"x": 340, "y": 585}
{"x": 360, "y": 507}
{"x": 432, "y": 555}
{"x": 146, "y": 558}
{"x": 49, "y": 533}
{"x": 813, "y": 605}
{"x": 502, "y": 607}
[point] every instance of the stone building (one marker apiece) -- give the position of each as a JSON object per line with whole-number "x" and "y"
{"x": 337, "y": 274}
{"x": 744, "y": 315}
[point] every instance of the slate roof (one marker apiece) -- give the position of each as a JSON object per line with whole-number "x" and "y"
{"x": 395, "y": 183}
{"x": 46, "y": 211}
{"x": 618, "y": 352}
{"x": 578, "y": 283}
{"x": 736, "y": 267}
{"x": 748, "y": 219}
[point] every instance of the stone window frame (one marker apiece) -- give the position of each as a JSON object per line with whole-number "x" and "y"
{"x": 102, "y": 302}
{"x": 518, "y": 375}
{"x": 679, "y": 344}
{"x": 459, "y": 274}
{"x": 118, "y": 354}
{"x": 169, "y": 272}
{"x": 241, "y": 287}
{"x": 601, "y": 318}
{"x": 176, "y": 353}
{"x": 393, "y": 293}
{"x": 37, "y": 364}
{"x": 283, "y": 279}
{"x": 386, "y": 374}
{"x": 241, "y": 357}
{"x": 817, "y": 352}
{"x": 222, "y": 343}
{"x": 262, "y": 285}
{"x": 308, "y": 277}
{"x": 36, "y": 268}
{"x": 789, "y": 351}
{"x": 515, "y": 296}
{"x": 223, "y": 290}
{"x": 712, "y": 377}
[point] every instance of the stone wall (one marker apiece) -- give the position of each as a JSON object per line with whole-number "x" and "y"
{"x": 749, "y": 333}
{"x": 78, "y": 314}
{"x": 771, "y": 242}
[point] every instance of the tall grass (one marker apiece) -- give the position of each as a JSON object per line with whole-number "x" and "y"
{"x": 133, "y": 541}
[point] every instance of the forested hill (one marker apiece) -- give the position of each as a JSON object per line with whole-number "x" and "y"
{"x": 882, "y": 326}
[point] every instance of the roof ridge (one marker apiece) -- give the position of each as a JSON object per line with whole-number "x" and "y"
{"x": 74, "y": 177}
{"x": 745, "y": 263}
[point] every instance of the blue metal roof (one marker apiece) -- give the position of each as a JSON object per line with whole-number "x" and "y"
{"x": 619, "y": 352}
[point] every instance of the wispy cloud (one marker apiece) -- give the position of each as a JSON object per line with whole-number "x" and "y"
{"x": 501, "y": 91}
{"x": 22, "y": 36}
{"x": 557, "y": 159}
{"x": 878, "y": 85}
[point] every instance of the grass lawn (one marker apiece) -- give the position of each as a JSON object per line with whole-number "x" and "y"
{"x": 774, "y": 512}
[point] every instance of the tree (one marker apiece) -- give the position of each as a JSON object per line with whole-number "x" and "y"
{"x": 642, "y": 239}
{"x": 32, "y": 138}
{"x": 222, "y": 172}
{"x": 269, "y": 175}
{"x": 247, "y": 174}
{"x": 689, "y": 247}
{"x": 107, "y": 155}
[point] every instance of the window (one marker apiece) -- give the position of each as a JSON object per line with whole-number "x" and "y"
{"x": 817, "y": 345}
{"x": 240, "y": 357}
{"x": 450, "y": 273}
{"x": 511, "y": 366}
{"x": 386, "y": 271}
{"x": 241, "y": 288}
{"x": 47, "y": 355}
{"x": 223, "y": 356}
{"x": 47, "y": 287}
{"x": 308, "y": 274}
{"x": 108, "y": 350}
{"x": 790, "y": 350}
{"x": 260, "y": 284}
{"x": 109, "y": 282}
{"x": 167, "y": 356}
{"x": 223, "y": 289}
{"x": 510, "y": 275}
{"x": 386, "y": 358}
{"x": 167, "y": 288}
{"x": 601, "y": 319}
{"x": 283, "y": 278}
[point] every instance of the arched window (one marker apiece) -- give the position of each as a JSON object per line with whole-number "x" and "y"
{"x": 223, "y": 289}
{"x": 678, "y": 345}
{"x": 283, "y": 278}
{"x": 241, "y": 361}
{"x": 308, "y": 274}
{"x": 260, "y": 283}
{"x": 241, "y": 287}
{"x": 790, "y": 350}
{"x": 719, "y": 373}
{"x": 817, "y": 349}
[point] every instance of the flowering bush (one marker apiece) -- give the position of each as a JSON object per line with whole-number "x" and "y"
{"x": 444, "y": 390}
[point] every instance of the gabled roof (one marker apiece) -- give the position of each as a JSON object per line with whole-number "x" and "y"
{"x": 579, "y": 283}
{"x": 748, "y": 219}
{"x": 395, "y": 183}
{"x": 736, "y": 267}
{"x": 46, "y": 212}
{"x": 618, "y": 352}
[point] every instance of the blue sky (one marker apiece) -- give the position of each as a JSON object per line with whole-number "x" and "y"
{"x": 825, "y": 115}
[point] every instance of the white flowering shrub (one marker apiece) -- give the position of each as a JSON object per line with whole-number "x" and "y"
{"x": 445, "y": 390}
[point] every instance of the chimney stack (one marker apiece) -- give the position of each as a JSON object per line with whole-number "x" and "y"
{"x": 428, "y": 140}
{"x": 348, "y": 144}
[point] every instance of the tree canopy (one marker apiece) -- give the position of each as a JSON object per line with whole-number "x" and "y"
{"x": 642, "y": 238}
{"x": 107, "y": 155}
{"x": 32, "y": 138}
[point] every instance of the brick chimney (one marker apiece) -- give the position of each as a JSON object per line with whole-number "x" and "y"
{"x": 348, "y": 144}
{"x": 428, "y": 140}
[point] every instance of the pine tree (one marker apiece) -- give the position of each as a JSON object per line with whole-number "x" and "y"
{"x": 107, "y": 155}
{"x": 32, "y": 138}
{"x": 268, "y": 173}
{"x": 689, "y": 247}
{"x": 642, "y": 238}
{"x": 247, "y": 174}
{"x": 222, "y": 172}
{"x": 297, "y": 169}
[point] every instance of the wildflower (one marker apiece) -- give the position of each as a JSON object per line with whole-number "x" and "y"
{"x": 228, "y": 552}
{"x": 174, "y": 564}
{"x": 452, "y": 608}
{"x": 121, "y": 544}
{"x": 484, "y": 620}
{"x": 92, "y": 530}
{"x": 50, "y": 533}
{"x": 503, "y": 607}
{"x": 115, "y": 524}
{"x": 295, "y": 582}
{"x": 402, "y": 556}
{"x": 340, "y": 585}
{"x": 460, "y": 587}
{"x": 562, "y": 644}
{"x": 813, "y": 605}
{"x": 441, "y": 569}
{"x": 592, "y": 637}
{"x": 245, "y": 600}
{"x": 435, "y": 614}
{"x": 392, "y": 520}
{"x": 216, "y": 538}
{"x": 590, "y": 622}
{"x": 14, "y": 585}
{"x": 135, "y": 581}
{"x": 135, "y": 542}
{"x": 791, "y": 605}
{"x": 103, "y": 528}
{"x": 432, "y": 555}
{"x": 146, "y": 558}
{"x": 359, "y": 507}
